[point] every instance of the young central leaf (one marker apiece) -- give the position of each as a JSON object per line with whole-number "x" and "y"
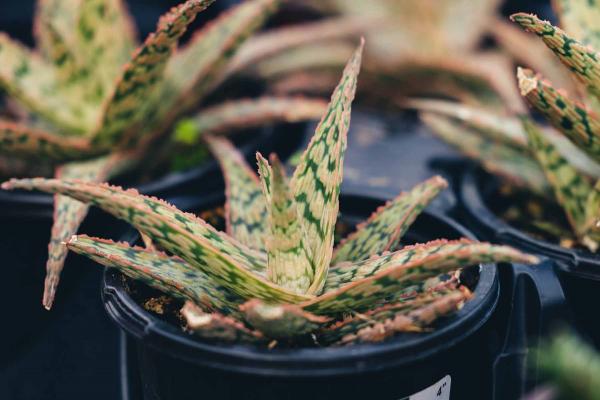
{"x": 317, "y": 179}
{"x": 288, "y": 262}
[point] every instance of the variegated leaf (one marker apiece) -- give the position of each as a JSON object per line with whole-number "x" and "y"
{"x": 529, "y": 51}
{"x": 199, "y": 67}
{"x": 278, "y": 40}
{"x": 248, "y": 113}
{"x": 126, "y": 105}
{"x": 87, "y": 41}
{"x": 214, "y": 326}
{"x": 414, "y": 321}
{"x": 580, "y": 18}
{"x": 358, "y": 321}
{"x": 357, "y": 286}
{"x": 386, "y": 226}
{"x": 69, "y": 213}
{"x": 289, "y": 260}
{"x": 578, "y": 124}
{"x": 170, "y": 275}
{"x": 578, "y": 57}
{"x": 230, "y": 263}
{"x": 266, "y": 176}
{"x": 281, "y": 321}
{"x": 512, "y": 164}
{"x": 30, "y": 79}
{"x": 245, "y": 210}
{"x": 316, "y": 181}
{"x": 571, "y": 189}
{"x": 28, "y": 142}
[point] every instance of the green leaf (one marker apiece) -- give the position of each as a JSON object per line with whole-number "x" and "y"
{"x": 415, "y": 321}
{"x": 229, "y": 262}
{"x": 579, "y": 58}
{"x": 571, "y": 189}
{"x": 32, "y": 81}
{"x": 69, "y": 213}
{"x": 33, "y": 143}
{"x": 170, "y": 275}
{"x": 289, "y": 260}
{"x": 281, "y": 320}
{"x": 245, "y": 210}
{"x": 344, "y": 331}
{"x": 359, "y": 285}
{"x": 581, "y": 18}
{"x": 214, "y": 326}
{"x": 316, "y": 181}
{"x": 248, "y": 113}
{"x": 572, "y": 119}
{"x": 514, "y": 165}
{"x": 385, "y": 227}
{"x": 138, "y": 82}
{"x": 266, "y": 176}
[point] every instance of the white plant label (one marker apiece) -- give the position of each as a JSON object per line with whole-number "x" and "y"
{"x": 438, "y": 391}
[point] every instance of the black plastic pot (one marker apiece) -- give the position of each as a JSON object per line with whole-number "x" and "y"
{"x": 175, "y": 365}
{"x": 579, "y": 270}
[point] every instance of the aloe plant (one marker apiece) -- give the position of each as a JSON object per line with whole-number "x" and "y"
{"x": 562, "y": 162}
{"x": 275, "y": 274}
{"x": 94, "y": 102}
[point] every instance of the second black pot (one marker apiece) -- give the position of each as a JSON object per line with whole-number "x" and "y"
{"x": 454, "y": 359}
{"x": 579, "y": 270}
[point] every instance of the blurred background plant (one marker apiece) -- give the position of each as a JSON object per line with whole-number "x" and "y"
{"x": 569, "y": 366}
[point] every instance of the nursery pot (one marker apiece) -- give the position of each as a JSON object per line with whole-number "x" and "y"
{"x": 579, "y": 270}
{"x": 452, "y": 361}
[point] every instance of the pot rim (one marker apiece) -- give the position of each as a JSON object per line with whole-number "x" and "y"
{"x": 580, "y": 262}
{"x": 312, "y": 362}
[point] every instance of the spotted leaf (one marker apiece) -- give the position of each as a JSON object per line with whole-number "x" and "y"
{"x": 281, "y": 320}
{"x": 170, "y": 275}
{"x": 359, "y": 285}
{"x": 199, "y": 67}
{"x": 512, "y": 164}
{"x": 141, "y": 77}
{"x": 214, "y": 326}
{"x": 229, "y": 262}
{"x": 69, "y": 213}
{"x": 385, "y": 227}
{"x": 31, "y": 80}
{"x": 316, "y": 181}
{"x": 350, "y": 325}
{"x": 245, "y": 210}
{"x": 21, "y": 140}
{"x": 579, "y": 58}
{"x": 414, "y": 321}
{"x": 571, "y": 118}
{"x": 571, "y": 189}
{"x": 289, "y": 260}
